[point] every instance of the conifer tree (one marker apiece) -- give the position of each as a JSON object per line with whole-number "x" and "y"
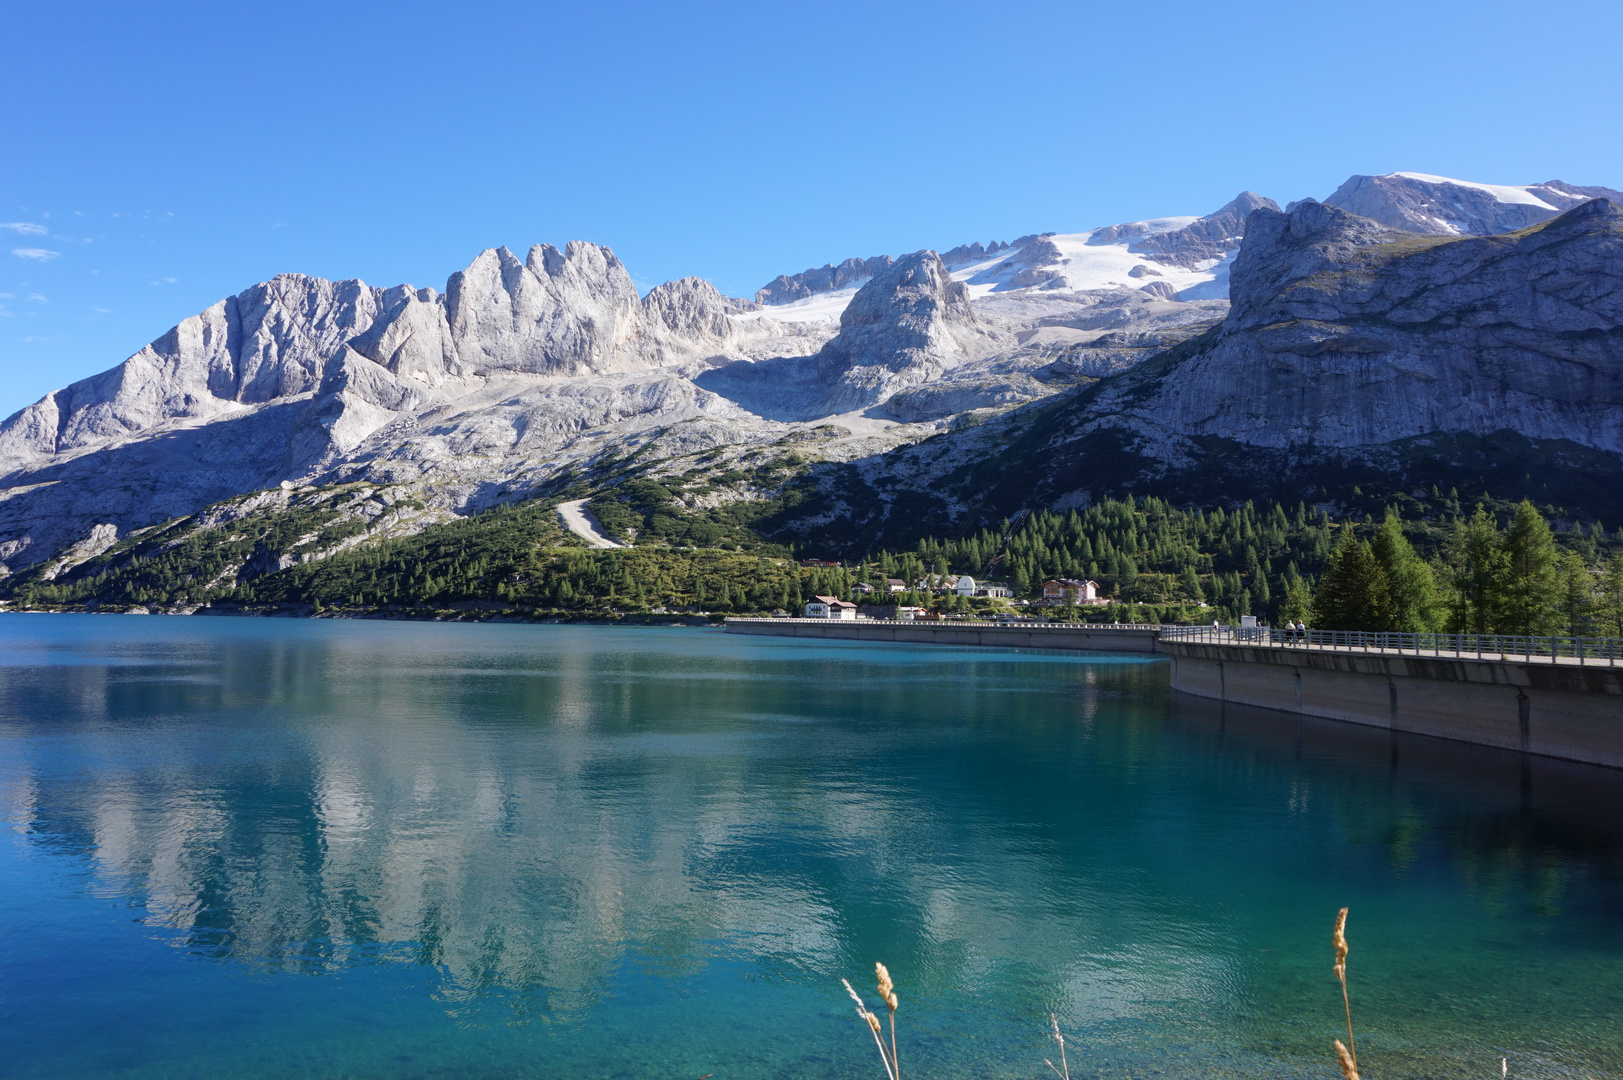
{"x": 1191, "y": 585}
{"x": 1609, "y": 599}
{"x": 1296, "y": 603}
{"x": 1476, "y": 563}
{"x": 1576, "y": 597}
{"x": 1529, "y": 589}
{"x": 1416, "y": 606}
{"x": 1354, "y": 593}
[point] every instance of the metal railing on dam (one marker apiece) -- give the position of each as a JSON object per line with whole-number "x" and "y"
{"x": 1008, "y": 624}
{"x": 1554, "y": 649}
{"x": 1008, "y": 634}
{"x": 1551, "y": 695}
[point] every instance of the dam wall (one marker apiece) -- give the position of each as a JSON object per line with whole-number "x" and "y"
{"x": 1560, "y": 707}
{"x": 1560, "y": 710}
{"x": 1087, "y": 637}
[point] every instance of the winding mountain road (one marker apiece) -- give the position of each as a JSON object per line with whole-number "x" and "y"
{"x": 583, "y": 524}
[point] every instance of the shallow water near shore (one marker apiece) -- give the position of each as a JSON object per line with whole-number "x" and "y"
{"x": 282, "y": 848}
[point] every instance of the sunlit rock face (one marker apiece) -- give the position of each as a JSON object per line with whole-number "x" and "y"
{"x": 1345, "y": 333}
{"x": 1383, "y": 317}
{"x": 909, "y": 325}
{"x": 1439, "y": 206}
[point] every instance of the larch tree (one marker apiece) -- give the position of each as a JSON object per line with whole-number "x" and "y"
{"x": 1416, "y": 606}
{"x": 1476, "y": 564}
{"x": 1530, "y": 588}
{"x": 1354, "y": 593}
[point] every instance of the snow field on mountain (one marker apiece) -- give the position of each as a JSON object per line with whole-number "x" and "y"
{"x": 1503, "y": 192}
{"x": 822, "y": 308}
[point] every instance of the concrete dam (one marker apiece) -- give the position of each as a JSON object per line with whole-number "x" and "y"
{"x": 1555, "y": 697}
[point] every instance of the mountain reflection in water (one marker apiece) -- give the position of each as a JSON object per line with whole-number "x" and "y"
{"x": 579, "y": 828}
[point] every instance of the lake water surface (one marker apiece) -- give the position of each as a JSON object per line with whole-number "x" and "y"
{"x": 277, "y": 848}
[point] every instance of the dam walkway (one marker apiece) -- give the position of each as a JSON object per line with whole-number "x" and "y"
{"x": 1549, "y": 695}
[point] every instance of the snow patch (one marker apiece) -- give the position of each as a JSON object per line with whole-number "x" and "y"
{"x": 1502, "y": 192}
{"x": 1085, "y": 264}
{"x": 821, "y": 308}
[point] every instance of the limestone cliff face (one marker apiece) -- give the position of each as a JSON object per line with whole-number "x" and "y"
{"x": 1202, "y": 240}
{"x": 272, "y": 341}
{"x": 907, "y": 326}
{"x": 1438, "y": 206}
{"x": 557, "y": 313}
{"x": 294, "y": 337}
{"x": 296, "y": 376}
{"x": 1344, "y": 333}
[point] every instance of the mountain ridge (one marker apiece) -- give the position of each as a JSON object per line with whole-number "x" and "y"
{"x": 524, "y": 377}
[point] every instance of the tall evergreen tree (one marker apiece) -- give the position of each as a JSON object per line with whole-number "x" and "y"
{"x": 1530, "y": 587}
{"x": 1416, "y": 606}
{"x": 1354, "y": 593}
{"x": 1576, "y": 600}
{"x": 1609, "y": 601}
{"x": 1476, "y": 563}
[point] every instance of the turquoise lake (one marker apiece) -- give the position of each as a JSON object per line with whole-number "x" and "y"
{"x": 284, "y": 848}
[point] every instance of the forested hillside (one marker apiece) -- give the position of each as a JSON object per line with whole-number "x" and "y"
{"x": 1441, "y": 565}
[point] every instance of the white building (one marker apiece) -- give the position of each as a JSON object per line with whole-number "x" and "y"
{"x": 964, "y": 586}
{"x": 1072, "y": 591}
{"x": 830, "y": 607}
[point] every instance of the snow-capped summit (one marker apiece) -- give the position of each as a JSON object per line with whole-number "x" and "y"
{"x": 1172, "y": 258}
{"x": 1440, "y": 206}
{"x": 521, "y": 371}
{"x": 1182, "y": 258}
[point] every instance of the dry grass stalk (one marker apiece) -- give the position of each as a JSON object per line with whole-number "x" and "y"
{"x": 1339, "y": 940}
{"x": 887, "y": 994}
{"x": 1349, "y": 1068}
{"x": 1064, "y": 1069}
{"x": 872, "y": 1021}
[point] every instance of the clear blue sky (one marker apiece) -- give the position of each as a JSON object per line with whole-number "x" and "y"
{"x": 155, "y": 157}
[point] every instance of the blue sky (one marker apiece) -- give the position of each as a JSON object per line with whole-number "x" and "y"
{"x": 156, "y": 157}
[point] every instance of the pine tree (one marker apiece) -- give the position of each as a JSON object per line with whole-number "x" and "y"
{"x": 1576, "y": 597}
{"x": 1416, "y": 607}
{"x": 1530, "y": 587}
{"x": 1476, "y": 563}
{"x": 1296, "y": 602}
{"x": 1354, "y": 593}
{"x": 1609, "y": 601}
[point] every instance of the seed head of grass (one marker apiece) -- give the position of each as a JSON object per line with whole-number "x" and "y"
{"x": 887, "y": 989}
{"x": 1348, "y": 1068}
{"x": 1349, "y": 1058}
{"x": 867, "y": 1017}
{"x": 1339, "y": 940}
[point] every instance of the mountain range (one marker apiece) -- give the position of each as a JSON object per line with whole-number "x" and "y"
{"x": 1409, "y": 328}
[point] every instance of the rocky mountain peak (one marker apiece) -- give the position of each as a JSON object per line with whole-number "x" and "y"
{"x": 909, "y": 324}
{"x": 785, "y": 289}
{"x": 1439, "y": 206}
{"x": 919, "y": 284}
{"x": 1202, "y": 241}
{"x": 1283, "y": 247}
{"x": 558, "y": 313}
{"x": 1345, "y": 333}
{"x": 693, "y": 308}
